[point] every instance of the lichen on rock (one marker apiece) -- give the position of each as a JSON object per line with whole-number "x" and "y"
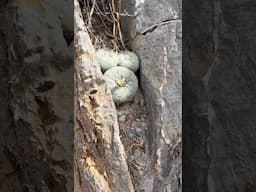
{"x": 122, "y": 82}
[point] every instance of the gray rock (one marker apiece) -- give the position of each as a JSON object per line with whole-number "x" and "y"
{"x": 161, "y": 84}
{"x": 219, "y": 96}
{"x": 40, "y": 99}
{"x": 121, "y": 118}
{"x": 149, "y": 12}
{"x": 161, "y": 81}
{"x": 65, "y": 13}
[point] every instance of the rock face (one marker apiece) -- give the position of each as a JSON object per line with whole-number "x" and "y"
{"x": 159, "y": 49}
{"x": 100, "y": 160}
{"x": 219, "y": 96}
{"x": 37, "y": 139}
{"x": 149, "y": 12}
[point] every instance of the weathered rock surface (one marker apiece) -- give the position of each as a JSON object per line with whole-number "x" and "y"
{"x": 150, "y": 12}
{"x": 219, "y": 96}
{"x": 160, "y": 78}
{"x": 37, "y": 86}
{"x": 100, "y": 160}
{"x": 159, "y": 49}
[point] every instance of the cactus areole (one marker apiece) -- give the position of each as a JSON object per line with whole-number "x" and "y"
{"x": 122, "y": 82}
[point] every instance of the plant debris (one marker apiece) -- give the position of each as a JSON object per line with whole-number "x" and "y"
{"x": 102, "y": 19}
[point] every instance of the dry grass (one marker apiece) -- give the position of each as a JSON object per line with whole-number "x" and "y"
{"x": 102, "y": 19}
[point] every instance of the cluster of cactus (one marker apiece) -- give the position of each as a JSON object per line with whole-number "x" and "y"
{"x": 119, "y": 69}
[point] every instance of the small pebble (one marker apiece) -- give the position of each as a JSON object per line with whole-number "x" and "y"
{"x": 139, "y": 132}
{"x": 122, "y": 118}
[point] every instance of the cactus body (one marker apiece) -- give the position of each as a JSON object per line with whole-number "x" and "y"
{"x": 107, "y": 58}
{"x": 122, "y": 82}
{"x": 129, "y": 60}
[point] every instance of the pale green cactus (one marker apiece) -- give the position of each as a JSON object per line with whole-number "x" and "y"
{"x": 122, "y": 82}
{"x": 107, "y": 58}
{"x": 129, "y": 60}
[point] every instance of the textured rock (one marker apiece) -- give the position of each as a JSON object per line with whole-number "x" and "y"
{"x": 159, "y": 50}
{"x": 100, "y": 164}
{"x": 150, "y": 12}
{"x": 65, "y": 15}
{"x": 160, "y": 77}
{"x": 219, "y": 96}
{"x": 37, "y": 142}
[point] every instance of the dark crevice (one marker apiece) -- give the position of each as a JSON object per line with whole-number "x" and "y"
{"x": 45, "y": 112}
{"x": 55, "y": 181}
{"x": 153, "y": 27}
{"x": 68, "y": 37}
{"x": 47, "y": 85}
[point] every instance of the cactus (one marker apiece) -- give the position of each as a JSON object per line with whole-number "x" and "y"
{"x": 107, "y": 58}
{"x": 129, "y": 60}
{"x": 122, "y": 82}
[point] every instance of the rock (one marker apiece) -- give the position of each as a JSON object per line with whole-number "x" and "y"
{"x": 159, "y": 50}
{"x": 160, "y": 76}
{"x": 99, "y": 122}
{"x": 139, "y": 132}
{"x": 121, "y": 118}
{"x": 150, "y": 12}
{"x": 65, "y": 13}
{"x": 219, "y": 96}
{"x": 40, "y": 99}
{"x": 147, "y": 182}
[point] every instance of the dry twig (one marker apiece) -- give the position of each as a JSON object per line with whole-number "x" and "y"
{"x": 103, "y": 23}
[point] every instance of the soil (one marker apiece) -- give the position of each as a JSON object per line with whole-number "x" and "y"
{"x": 133, "y": 124}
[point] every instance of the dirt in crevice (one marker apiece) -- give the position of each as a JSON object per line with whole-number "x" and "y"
{"x": 133, "y": 125}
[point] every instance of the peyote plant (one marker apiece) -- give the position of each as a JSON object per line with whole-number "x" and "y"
{"x": 122, "y": 82}
{"x": 129, "y": 60}
{"x": 107, "y": 58}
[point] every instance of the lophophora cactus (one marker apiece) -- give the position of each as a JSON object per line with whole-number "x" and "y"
{"x": 119, "y": 74}
{"x": 129, "y": 60}
{"x": 107, "y": 58}
{"x": 122, "y": 82}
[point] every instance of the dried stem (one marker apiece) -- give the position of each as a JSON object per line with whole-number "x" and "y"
{"x": 91, "y": 13}
{"x": 103, "y": 23}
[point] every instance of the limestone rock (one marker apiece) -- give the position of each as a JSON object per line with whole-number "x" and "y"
{"x": 160, "y": 73}
{"x": 100, "y": 157}
{"x": 219, "y": 96}
{"x": 65, "y": 13}
{"x": 150, "y": 12}
{"x": 160, "y": 52}
{"x": 39, "y": 135}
